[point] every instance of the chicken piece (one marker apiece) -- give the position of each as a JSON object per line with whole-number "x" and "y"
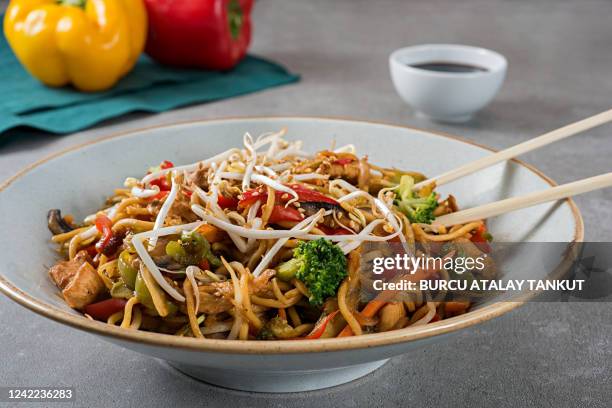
{"x": 180, "y": 211}
{"x": 220, "y": 300}
{"x": 199, "y": 178}
{"x": 259, "y": 286}
{"x": 63, "y": 272}
{"x": 335, "y": 165}
{"x": 84, "y": 288}
{"x": 212, "y": 304}
{"x": 78, "y": 280}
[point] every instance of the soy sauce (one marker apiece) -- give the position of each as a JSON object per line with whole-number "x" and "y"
{"x": 451, "y": 67}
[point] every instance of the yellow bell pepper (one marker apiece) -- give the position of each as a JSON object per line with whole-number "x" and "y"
{"x": 90, "y": 44}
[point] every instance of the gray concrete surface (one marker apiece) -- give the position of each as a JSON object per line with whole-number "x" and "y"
{"x": 540, "y": 355}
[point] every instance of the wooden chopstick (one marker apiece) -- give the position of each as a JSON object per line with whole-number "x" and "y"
{"x": 527, "y": 200}
{"x": 519, "y": 149}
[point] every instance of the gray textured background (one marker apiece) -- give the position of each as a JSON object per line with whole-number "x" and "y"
{"x": 560, "y": 56}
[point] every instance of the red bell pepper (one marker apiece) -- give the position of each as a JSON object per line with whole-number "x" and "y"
{"x": 159, "y": 196}
{"x": 227, "y": 202}
{"x": 105, "y": 226}
{"x": 305, "y": 195}
{"x": 91, "y": 250}
{"x": 209, "y": 34}
{"x": 481, "y": 238}
{"x": 166, "y": 164}
{"x": 281, "y": 213}
{"x": 161, "y": 182}
{"x": 319, "y": 329}
{"x": 204, "y": 265}
{"x": 104, "y": 309}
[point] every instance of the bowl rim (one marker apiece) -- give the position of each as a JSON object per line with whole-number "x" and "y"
{"x": 394, "y": 60}
{"x": 114, "y": 333}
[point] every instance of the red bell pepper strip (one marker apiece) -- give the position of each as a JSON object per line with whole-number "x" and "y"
{"x": 162, "y": 183}
{"x": 250, "y": 197}
{"x": 209, "y": 34}
{"x": 204, "y": 265}
{"x": 159, "y": 196}
{"x": 481, "y": 238}
{"x": 227, "y": 202}
{"x": 281, "y": 213}
{"x": 334, "y": 231}
{"x": 91, "y": 250}
{"x": 318, "y": 331}
{"x": 104, "y": 309}
{"x": 105, "y": 226}
{"x": 166, "y": 164}
{"x": 305, "y": 195}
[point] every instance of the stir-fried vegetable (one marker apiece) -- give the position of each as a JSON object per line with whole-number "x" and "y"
{"x": 211, "y": 233}
{"x": 481, "y": 238}
{"x": 119, "y": 290}
{"x": 277, "y": 328}
{"x": 191, "y": 249}
{"x": 142, "y": 293}
{"x": 56, "y": 223}
{"x": 305, "y": 195}
{"x": 281, "y": 213}
{"x": 417, "y": 209}
{"x": 126, "y": 269}
{"x": 321, "y": 325}
{"x": 163, "y": 183}
{"x": 104, "y": 225}
{"x": 146, "y": 299}
{"x": 227, "y": 202}
{"x": 104, "y": 309}
{"x": 320, "y": 264}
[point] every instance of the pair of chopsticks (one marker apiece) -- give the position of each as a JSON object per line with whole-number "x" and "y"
{"x": 527, "y": 200}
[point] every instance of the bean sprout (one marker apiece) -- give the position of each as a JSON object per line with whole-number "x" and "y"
{"x": 188, "y": 168}
{"x": 163, "y": 212}
{"x": 305, "y": 225}
{"x": 144, "y": 193}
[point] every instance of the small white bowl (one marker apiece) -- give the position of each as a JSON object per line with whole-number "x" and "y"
{"x": 447, "y": 96}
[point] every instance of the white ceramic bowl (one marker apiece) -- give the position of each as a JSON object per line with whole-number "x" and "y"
{"x": 78, "y": 179}
{"x": 447, "y": 96}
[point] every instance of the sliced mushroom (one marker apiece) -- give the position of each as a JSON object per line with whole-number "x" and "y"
{"x": 312, "y": 207}
{"x": 57, "y": 225}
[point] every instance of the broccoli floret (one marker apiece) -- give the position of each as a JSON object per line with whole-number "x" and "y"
{"x": 417, "y": 209}
{"x": 320, "y": 264}
{"x": 276, "y": 328}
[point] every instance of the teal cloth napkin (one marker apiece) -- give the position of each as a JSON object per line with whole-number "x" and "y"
{"x": 148, "y": 88}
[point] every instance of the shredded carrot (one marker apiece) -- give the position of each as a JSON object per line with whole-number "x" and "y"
{"x": 369, "y": 311}
{"x": 212, "y": 233}
{"x": 382, "y": 299}
{"x": 372, "y": 308}
{"x": 282, "y": 314}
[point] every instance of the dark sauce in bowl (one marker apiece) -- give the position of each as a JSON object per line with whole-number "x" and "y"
{"x": 448, "y": 67}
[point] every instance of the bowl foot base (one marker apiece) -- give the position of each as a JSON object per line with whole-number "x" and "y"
{"x": 446, "y": 119}
{"x": 277, "y": 381}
